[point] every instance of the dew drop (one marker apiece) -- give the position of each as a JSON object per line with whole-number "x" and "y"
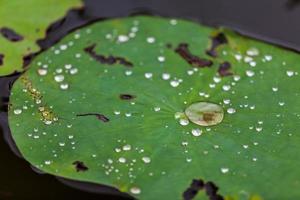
{"x": 250, "y": 73}
{"x": 174, "y": 83}
{"x": 122, "y": 160}
{"x": 166, "y": 76}
{"x": 156, "y": 109}
{"x": 226, "y": 87}
{"x": 146, "y": 159}
{"x": 231, "y": 110}
{"x": 150, "y": 40}
{"x": 59, "y": 78}
{"x": 123, "y": 38}
{"x": 184, "y": 122}
{"x": 148, "y": 75}
{"x": 224, "y": 170}
{"x": 127, "y": 147}
{"x": 161, "y": 58}
{"x": 42, "y": 72}
{"x": 196, "y": 132}
{"x": 135, "y": 190}
{"x": 17, "y": 111}
{"x": 74, "y": 71}
{"x": 290, "y": 73}
{"x": 64, "y": 86}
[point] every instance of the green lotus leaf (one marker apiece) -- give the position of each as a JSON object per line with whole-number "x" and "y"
{"x": 22, "y": 23}
{"x": 123, "y": 102}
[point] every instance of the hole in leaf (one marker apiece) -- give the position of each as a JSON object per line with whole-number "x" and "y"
{"x": 127, "y": 96}
{"x": 217, "y": 40}
{"x": 10, "y": 34}
{"x": 99, "y": 116}
{"x": 80, "y": 166}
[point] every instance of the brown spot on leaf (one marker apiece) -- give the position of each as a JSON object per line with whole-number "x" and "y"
{"x": 126, "y": 96}
{"x": 99, "y": 116}
{"x": 10, "y": 34}
{"x": 1, "y": 59}
{"x": 224, "y": 69}
{"x": 217, "y": 40}
{"x": 80, "y": 166}
{"x": 110, "y": 60}
{"x": 183, "y": 51}
{"x": 197, "y": 185}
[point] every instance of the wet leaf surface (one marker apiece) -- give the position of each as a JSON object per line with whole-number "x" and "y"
{"x": 149, "y": 147}
{"x": 22, "y": 23}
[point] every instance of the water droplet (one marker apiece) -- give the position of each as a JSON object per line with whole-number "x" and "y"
{"x": 174, "y": 83}
{"x": 123, "y": 38}
{"x": 68, "y": 66}
{"x": 128, "y": 72}
{"x": 42, "y": 72}
{"x": 250, "y": 73}
{"x": 148, "y": 75}
{"x": 17, "y": 111}
{"x": 117, "y": 112}
{"x": 128, "y": 114}
{"x": 74, "y": 71}
{"x": 156, "y": 109}
{"x": 127, "y": 147}
{"x": 146, "y": 159}
{"x": 184, "y": 122}
{"x": 161, "y": 58}
{"x": 150, "y": 40}
{"x": 268, "y": 57}
{"x": 224, "y": 170}
{"x": 47, "y": 162}
{"x": 226, "y": 87}
{"x": 196, "y": 132}
{"x": 275, "y": 89}
{"x": 59, "y": 78}
{"x": 290, "y": 73}
{"x": 64, "y": 86}
{"x": 173, "y": 22}
{"x": 205, "y": 113}
{"x": 252, "y": 52}
{"x": 226, "y": 101}
{"x": 231, "y": 110}
{"x": 62, "y": 144}
{"x": 135, "y": 190}
{"x": 217, "y": 79}
{"x": 122, "y": 160}
{"x": 166, "y": 76}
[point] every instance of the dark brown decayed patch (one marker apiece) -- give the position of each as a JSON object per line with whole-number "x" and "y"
{"x": 183, "y": 50}
{"x": 217, "y": 40}
{"x": 110, "y": 60}
{"x": 80, "y": 166}
{"x": 126, "y": 96}
{"x": 197, "y": 184}
{"x": 99, "y": 116}
{"x": 10, "y": 34}
{"x": 1, "y": 59}
{"x": 224, "y": 69}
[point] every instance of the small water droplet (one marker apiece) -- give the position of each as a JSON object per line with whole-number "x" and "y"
{"x": 184, "y": 122}
{"x": 290, "y": 73}
{"x": 161, "y": 58}
{"x": 156, "y": 109}
{"x": 74, "y": 71}
{"x": 226, "y": 87}
{"x": 123, "y": 38}
{"x": 250, "y": 73}
{"x": 150, "y": 40}
{"x": 135, "y": 190}
{"x": 148, "y": 75}
{"x": 224, "y": 170}
{"x": 64, "y": 86}
{"x": 47, "y": 162}
{"x": 231, "y": 110}
{"x": 146, "y": 159}
{"x": 166, "y": 76}
{"x": 196, "y": 132}
{"x": 275, "y": 89}
{"x": 174, "y": 83}
{"x": 122, "y": 160}
{"x": 17, "y": 111}
{"x": 59, "y": 78}
{"x": 127, "y": 147}
{"x": 42, "y": 72}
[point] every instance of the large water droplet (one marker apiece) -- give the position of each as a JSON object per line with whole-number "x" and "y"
{"x": 205, "y": 113}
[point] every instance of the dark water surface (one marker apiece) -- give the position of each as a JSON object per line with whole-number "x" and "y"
{"x": 275, "y": 21}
